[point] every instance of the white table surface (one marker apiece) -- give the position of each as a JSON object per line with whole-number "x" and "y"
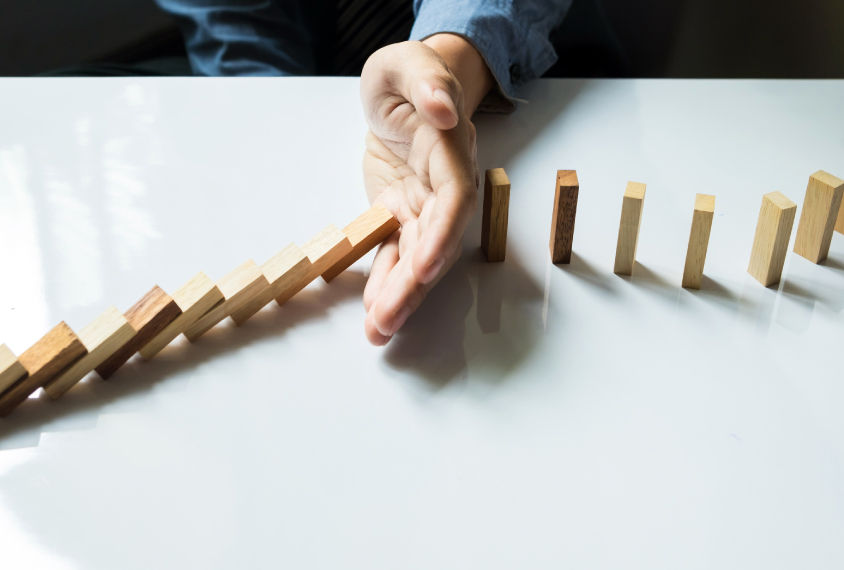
{"x": 529, "y": 416}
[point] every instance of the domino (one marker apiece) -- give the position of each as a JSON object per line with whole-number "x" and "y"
{"x": 562, "y": 220}
{"x": 238, "y": 287}
{"x": 149, "y": 316}
{"x": 11, "y": 370}
{"x": 839, "y": 225}
{"x": 102, "y": 338}
{"x": 698, "y": 240}
{"x": 323, "y": 250}
{"x": 821, "y": 207}
{"x": 628, "y": 231}
{"x": 770, "y": 244}
{"x": 194, "y": 298}
{"x": 283, "y": 270}
{"x": 56, "y": 350}
{"x": 495, "y": 212}
{"x": 365, "y": 232}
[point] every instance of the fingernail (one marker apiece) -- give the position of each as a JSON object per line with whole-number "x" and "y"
{"x": 399, "y": 320}
{"x": 443, "y": 97}
{"x": 434, "y": 269}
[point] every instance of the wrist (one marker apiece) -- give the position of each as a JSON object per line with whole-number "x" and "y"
{"x": 467, "y": 64}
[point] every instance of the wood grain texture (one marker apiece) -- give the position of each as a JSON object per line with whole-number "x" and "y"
{"x": 282, "y": 270}
{"x": 628, "y": 231}
{"x": 364, "y": 233}
{"x": 698, "y": 240}
{"x": 11, "y": 370}
{"x": 323, "y": 250}
{"x": 102, "y": 338}
{"x": 54, "y": 352}
{"x": 839, "y": 224}
{"x": 149, "y": 316}
{"x": 238, "y": 287}
{"x": 495, "y": 215}
{"x": 821, "y": 207}
{"x": 562, "y": 219}
{"x": 770, "y": 244}
{"x": 194, "y": 298}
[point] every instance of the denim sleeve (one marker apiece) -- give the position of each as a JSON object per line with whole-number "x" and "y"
{"x": 512, "y": 36}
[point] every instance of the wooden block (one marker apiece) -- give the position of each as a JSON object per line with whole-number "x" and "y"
{"x": 770, "y": 244}
{"x": 562, "y": 220}
{"x": 495, "y": 213}
{"x": 11, "y": 370}
{"x": 368, "y": 230}
{"x": 323, "y": 250}
{"x": 283, "y": 270}
{"x": 628, "y": 231}
{"x": 698, "y": 240}
{"x": 195, "y": 298}
{"x": 102, "y": 338}
{"x": 148, "y": 317}
{"x": 839, "y": 225}
{"x": 56, "y": 350}
{"x": 240, "y": 286}
{"x": 821, "y": 207}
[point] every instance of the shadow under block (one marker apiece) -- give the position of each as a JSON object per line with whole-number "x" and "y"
{"x": 148, "y": 317}
{"x": 495, "y": 213}
{"x": 364, "y": 233}
{"x": 698, "y": 240}
{"x": 194, "y": 298}
{"x": 11, "y": 370}
{"x": 770, "y": 244}
{"x": 562, "y": 220}
{"x": 821, "y": 208}
{"x": 283, "y": 270}
{"x": 323, "y": 250}
{"x": 56, "y": 350}
{"x": 628, "y": 230}
{"x": 102, "y": 338}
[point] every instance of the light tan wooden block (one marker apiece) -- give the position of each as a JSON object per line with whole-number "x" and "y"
{"x": 496, "y": 210}
{"x": 365, "y": 232}
{"x": 821, "y": 208}
{"x": 770, "y": 244}
{"x": 698, "y": 240}
{"x": 323, "y": 250}
{"x": 628, "y": 231}
{"x": 56, "y": 350}
{"x": 240, "y": 286}
{"x": 11, "y": 370}
{"x": 839, "y": 225}
{"x": 564, "y": 214}
{"x": 194, "y": 298}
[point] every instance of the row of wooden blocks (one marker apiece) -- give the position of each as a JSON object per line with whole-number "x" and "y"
{"x": 61, "y": 358}
{"x": 822, "y": 214}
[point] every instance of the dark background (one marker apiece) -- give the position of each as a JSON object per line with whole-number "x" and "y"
{"x": 661, "y": 38}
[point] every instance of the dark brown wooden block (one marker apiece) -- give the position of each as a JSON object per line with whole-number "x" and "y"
{"x": 565, "y": 210}
{"x": 495, "y": 215}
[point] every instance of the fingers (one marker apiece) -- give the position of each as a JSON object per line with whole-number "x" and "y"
{"x": 385, "y": 259}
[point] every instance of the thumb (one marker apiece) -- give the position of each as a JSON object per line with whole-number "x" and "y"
{"x": 432, "y": 97}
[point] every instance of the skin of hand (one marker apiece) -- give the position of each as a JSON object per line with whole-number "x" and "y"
{"x": 421, "y": 163}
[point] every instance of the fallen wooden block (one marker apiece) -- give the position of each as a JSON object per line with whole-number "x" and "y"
{"x": 149, "y": 316}
{"x": 56, "y": 350}
{"x": 562, "y": 220}
{"x": 821, "y": 208}
{"x": 698, "y": 240}
{"x": 628, "y": 231}
{"x": 102, "y": 338}
{"x": 839, "y": 225}
{"x": 770, "y": 244}
{"x": 323, "y": 250}
{"x": 365, "y": 232}
{"x": 11, "y": 370}
{"x": 283, "y": 270}
{"x": 495, "y": 213}
{"x": 238, "y": 287}
{"x": 194, "y": 298}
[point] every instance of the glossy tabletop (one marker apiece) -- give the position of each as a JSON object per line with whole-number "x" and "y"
{"x": 529, "y": 415}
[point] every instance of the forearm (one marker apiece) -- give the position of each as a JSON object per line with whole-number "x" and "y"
{"x": 467, "y": 65}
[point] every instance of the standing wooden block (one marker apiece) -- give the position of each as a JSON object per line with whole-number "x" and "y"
{"x": 102, "y": 338}
{"x": 698, "y": 240}
{"x": 240, "y": 286}
{"x": 628, "y": 231}
{"x": 562, "y": 221}
{"x": 283, "y": 270}
{"x": 365, "y": 232}
{"x": 148, "y": 317}
{"x": 495, "y": 213}
{"x": 11, "y": 370}
{"x": 195, "y": 298}
{"x": 323, "y": 250}
{"x": 770, "y": 244}
{"x": 821, "y": 207}
{"x": 56, "y": 350}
